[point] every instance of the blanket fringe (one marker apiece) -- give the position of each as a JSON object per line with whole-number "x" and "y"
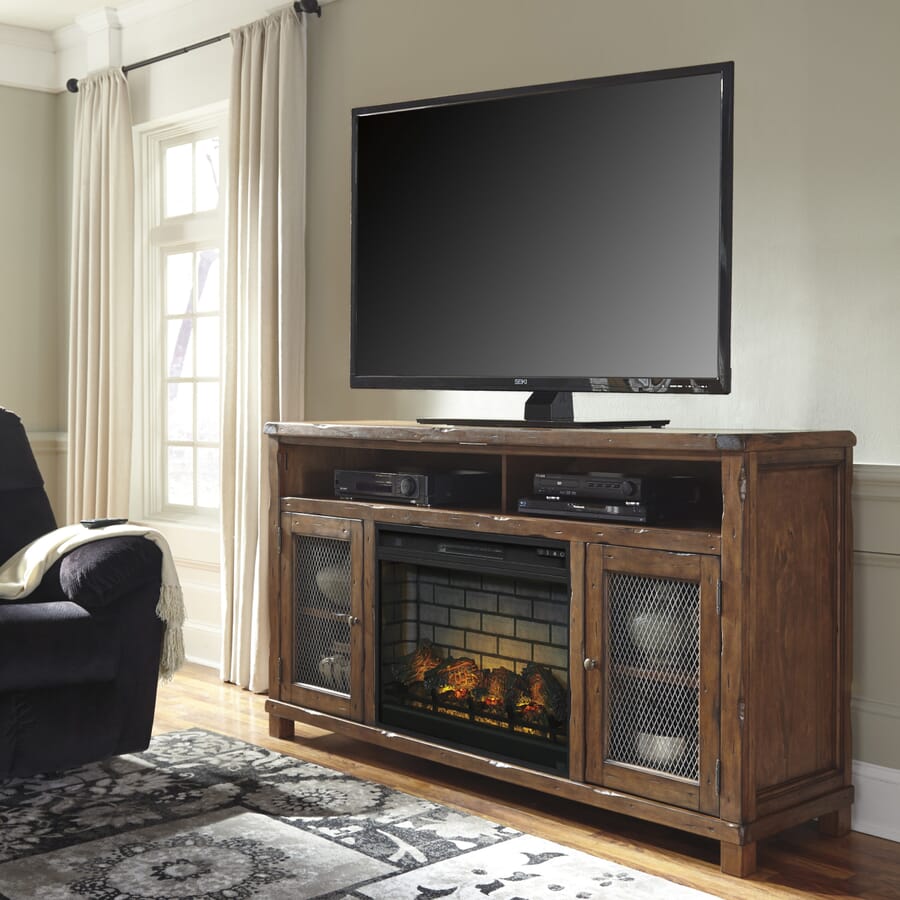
{"x": 170, "y": 610}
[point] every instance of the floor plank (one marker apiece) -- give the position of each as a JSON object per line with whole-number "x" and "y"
{"x": 800, "y": 863}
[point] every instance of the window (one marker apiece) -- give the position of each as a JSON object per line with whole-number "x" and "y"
{"x": 181, "y": 327}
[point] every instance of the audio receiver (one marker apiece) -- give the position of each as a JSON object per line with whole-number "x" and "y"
{"x": 617, "y": 486}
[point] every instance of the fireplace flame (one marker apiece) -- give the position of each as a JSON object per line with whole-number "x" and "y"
{"x": 532, "y": 698}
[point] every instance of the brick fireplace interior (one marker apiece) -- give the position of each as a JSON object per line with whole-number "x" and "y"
{"x": 474, "y": 642}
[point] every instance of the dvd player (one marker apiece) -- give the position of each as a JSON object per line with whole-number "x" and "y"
{"x": 460, "y": 487}
{"x": 567, "y": 508}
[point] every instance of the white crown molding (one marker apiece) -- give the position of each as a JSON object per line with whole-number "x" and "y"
{"x": 29, "y": 38}
{"x": 67, "y": 37}
{"x": 101, "y": 19}
{"x": 43, "y": 61}
{"x": 103, "y": 38}
{"x": 27, "y": 59}
{"x": 30, "y": 58}
{"x": 132, "y": 13}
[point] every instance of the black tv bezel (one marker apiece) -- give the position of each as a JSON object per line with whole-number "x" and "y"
{"x": 523, "y": 381}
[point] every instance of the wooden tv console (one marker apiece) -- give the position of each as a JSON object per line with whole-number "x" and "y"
{"x": 767, "y": 679}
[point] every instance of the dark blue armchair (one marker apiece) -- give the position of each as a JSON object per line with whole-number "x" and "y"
{"x": 79, "y": 657}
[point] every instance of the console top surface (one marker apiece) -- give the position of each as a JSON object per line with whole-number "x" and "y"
{"x": 663, "y": 440}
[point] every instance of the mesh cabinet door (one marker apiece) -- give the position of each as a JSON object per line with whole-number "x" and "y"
{"x": 322, "y": 623}
{"x": 652, "y": 643}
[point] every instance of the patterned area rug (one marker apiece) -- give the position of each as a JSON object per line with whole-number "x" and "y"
{"x": 199, "y": 815}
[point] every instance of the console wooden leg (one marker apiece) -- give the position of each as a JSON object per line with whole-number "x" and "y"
{"x": 835, "y": 824}
{"x": 738, "y": 859}
{"x": 281, "y": 728}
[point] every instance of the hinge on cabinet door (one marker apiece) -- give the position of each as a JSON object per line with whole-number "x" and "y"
{"x": 718, "y": 776}
{"x": 278, "y": 539}
{"x": 280, "y": 667}
{"x": 742, "y": 484}
{"x": 719, "y": 597}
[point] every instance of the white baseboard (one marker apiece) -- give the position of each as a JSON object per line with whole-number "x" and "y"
{"x": 203, "y": 644}
{"x": 876, "y": 810}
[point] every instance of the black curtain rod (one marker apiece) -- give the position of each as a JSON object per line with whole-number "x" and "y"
{"x": 300, "y": 7}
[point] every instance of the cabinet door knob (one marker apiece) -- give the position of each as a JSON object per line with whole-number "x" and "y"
{"x": 591, "y": 664}
{"x": 353, "y": 620}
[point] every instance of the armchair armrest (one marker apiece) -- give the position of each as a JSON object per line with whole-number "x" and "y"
{"x": 97, "y": 574}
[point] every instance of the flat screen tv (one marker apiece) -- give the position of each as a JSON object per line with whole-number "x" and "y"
{"x": 558, "y": 238}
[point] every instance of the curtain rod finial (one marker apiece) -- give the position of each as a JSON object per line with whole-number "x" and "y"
{"x": 308, "y": 6}
{"x": 72, "y": 85}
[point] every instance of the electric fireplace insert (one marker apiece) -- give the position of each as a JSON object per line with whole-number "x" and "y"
{"x": 474, "y": 642}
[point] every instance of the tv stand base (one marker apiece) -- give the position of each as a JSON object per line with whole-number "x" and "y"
{"x": 548, "y": 409}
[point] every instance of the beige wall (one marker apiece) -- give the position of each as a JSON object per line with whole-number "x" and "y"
{"x": 31, "y": 315}
{"x": 816, "y": 282}
{"x": 65, "y": 134}
{"x": 816, "y": 194}
{"x": 816, "y": 219}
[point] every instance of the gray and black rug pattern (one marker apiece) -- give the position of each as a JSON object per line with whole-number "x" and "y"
{"x": 199, "y": 815}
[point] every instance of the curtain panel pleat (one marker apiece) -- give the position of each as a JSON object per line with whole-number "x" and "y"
{"x": 264, "y": 316}
{"x": 101, "y": 301}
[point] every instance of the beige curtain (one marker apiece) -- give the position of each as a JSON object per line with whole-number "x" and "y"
{"x": 264, "y": 315}
{"x": 101, "y": 307}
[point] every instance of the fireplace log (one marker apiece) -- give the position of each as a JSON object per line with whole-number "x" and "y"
{"x": 458, "y": 676}
{"x": 412, "y": 668}
{"x": 546, "y": 692}
{"x": 501, "y": 689}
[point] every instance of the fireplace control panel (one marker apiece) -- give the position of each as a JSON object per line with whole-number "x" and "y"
{"x": 513, "y": 556}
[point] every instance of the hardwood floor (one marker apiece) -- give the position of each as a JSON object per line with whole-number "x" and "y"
{"x": 799, "y": 863}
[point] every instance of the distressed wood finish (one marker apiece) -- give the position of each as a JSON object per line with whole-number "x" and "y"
{"x": 668, "y": 442}
{"x": 692, "y": 568}
{"x": 290, "y": 688}
{"x": 577, "y": 736}
{"x": 774, "y": 569}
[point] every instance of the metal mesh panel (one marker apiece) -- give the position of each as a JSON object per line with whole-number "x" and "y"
{"x": 654, "y": 643}
{"x": 322, "y": 604}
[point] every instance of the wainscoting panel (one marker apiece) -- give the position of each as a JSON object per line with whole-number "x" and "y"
{"x": 876, "y": 659}
{"x": 876, "y": 650}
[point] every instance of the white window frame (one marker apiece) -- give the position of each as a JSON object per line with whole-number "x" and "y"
{"x": 156, "y": 237}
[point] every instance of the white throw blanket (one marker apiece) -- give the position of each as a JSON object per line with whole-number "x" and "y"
{"x": 22, "y": 573}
